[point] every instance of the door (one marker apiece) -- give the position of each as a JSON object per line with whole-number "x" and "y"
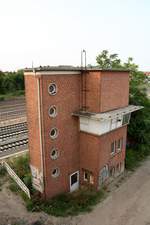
{"x": 74, "y": 181}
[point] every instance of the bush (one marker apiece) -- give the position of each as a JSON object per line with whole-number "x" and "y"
{"x": 11, "y": 81}
{"x": 135, "y": 156}
{"x": 67, "y": 204}
{"x": 2, "y": 171}
{"x": 2, "y": 98}
{"x": 21, "y": 167}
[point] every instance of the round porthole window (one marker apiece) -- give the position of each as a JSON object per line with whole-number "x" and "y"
{"x": 54, "y": 133}
{"x": 54, "y": 153}
{"x": 52, "y": 89}
{"x": 52, "y": 111}
{"x": 55, "y": 172}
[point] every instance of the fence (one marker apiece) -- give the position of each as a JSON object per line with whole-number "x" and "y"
{"x": 16, "y": 179}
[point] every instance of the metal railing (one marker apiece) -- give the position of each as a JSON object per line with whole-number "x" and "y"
{"x": 15, "y": 177}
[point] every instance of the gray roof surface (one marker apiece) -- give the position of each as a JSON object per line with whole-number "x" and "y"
{"x": 110, "y": 114}
{"x": 72, "y": 68}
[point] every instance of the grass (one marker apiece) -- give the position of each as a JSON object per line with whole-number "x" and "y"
{"x": 67, "y": 204}
{"x": 2, "y": 171}
{"x": 135, "y": 157}
{"x": 11, "y": 95}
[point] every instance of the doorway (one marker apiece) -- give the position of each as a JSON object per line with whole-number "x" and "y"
{"x": 74, "y": 181}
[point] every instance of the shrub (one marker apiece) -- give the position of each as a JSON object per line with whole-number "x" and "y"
{"x": 67, "y": 204}
{"x": 2, "y": 171}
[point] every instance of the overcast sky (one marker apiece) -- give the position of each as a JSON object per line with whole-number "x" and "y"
{"x": 53, "y": 32}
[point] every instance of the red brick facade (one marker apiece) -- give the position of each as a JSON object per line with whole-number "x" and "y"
{"x": 78, "y": 151}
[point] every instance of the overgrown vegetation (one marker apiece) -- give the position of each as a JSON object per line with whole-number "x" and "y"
{"x": 21, "y": 167}
{"x": 62, "y": 205}
{"x": 12, "y": 84}
{"x": 2, "y": 171}
{"x": 67, "y": 204}
{"x": 138, "y": 144}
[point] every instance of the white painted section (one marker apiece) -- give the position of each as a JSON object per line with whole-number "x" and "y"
{"x": 37, "y": 178}
{"x": 52, "y": 73}
{"x": 74, "y": 185}
{"x": 100, "y": 127}
{"x": 41, "y": 188}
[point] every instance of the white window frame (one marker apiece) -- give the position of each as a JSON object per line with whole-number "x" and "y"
{"x": 74, "y": 186}
{"x": 54, "y": 157}
{"x": 127, "y": 114}
{"x": 121, "y": 144}
{"x": 56, "y": 135}
{"x": 55, "y": 89}
{"x": 55, "y": 111}
{"x": 57, "y": 174}
{"x": 114, "y": 144}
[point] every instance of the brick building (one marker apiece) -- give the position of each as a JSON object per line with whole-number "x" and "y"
{"x": 77, "y": 121}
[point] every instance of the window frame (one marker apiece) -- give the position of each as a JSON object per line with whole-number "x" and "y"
{"x": 114, "y": 147}
{"x": 56, "y": 135}
{"x": 54, "y": 157}
{"x": 58, "y": 172}
{"x": 126, "y": 118}
{"x": 55, "y": 113}
{"x": 55, "y": 89}
{"x": 119, "y": 148}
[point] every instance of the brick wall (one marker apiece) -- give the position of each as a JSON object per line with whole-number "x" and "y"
{"x": 31, "y": 91}
{"x": 77, "y": 150}
{"x": 95, "y": 151}
{"x": 106, "y": 90}
{"x": 114, "y": 90}
{"x": 67, "y": 100}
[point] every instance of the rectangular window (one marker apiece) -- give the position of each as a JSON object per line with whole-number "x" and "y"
{"x": 119, "y": 144}
{"x": 85, "y": 176}
{"x": 88, "y": 177}
{"x": 126, "y": 118}
{"x": 113, "y": 146}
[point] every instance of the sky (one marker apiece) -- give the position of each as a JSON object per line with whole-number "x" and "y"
{"x": 53, "y": 32}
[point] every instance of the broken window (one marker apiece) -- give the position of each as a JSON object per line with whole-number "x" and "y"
{"x": 88, "y": 176}
{"x": 126, "y": 119}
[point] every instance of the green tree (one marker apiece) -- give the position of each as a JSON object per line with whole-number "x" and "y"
{"x": 11, "y": 82}
{"x": 106, "y": 61}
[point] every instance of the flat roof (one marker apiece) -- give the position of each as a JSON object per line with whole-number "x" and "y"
{"x": 110, "y": 114}
{"x": 71, "y": 68}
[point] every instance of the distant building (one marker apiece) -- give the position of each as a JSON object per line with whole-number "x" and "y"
{"x": 77, "y": 121}
{"x": 148, "y": 76}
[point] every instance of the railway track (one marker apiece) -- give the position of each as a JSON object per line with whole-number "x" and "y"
{"x": 14, "y": 144}
{"x": 13, "y": 137}
{"x": 10, "y": 129}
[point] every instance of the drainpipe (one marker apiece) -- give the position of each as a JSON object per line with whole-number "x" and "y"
{"x": 40, "y": 132}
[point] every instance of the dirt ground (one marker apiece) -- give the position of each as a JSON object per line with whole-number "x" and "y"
{"x": 127, "y": 204}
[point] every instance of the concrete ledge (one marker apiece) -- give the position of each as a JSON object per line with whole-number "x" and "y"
{"x": 13, "y": 121}
{"x": 16, "y": 154}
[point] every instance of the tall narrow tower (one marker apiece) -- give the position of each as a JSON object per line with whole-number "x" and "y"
{"x": 77, "y": 121}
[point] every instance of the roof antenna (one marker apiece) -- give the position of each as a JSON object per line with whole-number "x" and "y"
{"x": 83, "y": 51}
{"x": 33, "y": 66}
